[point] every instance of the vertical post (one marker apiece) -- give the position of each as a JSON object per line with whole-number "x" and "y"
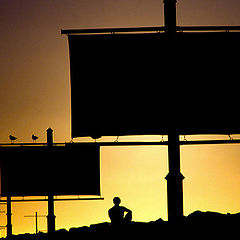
{"x": 0, "y": 213}
{"x": 49, "y": 137}
{"x": 170, "y": 18}
{"x": 51, "y": 217}
{"x": 36, "y": 216}
{"x": 9, "y": 217}
{"x": 174, "y": 179}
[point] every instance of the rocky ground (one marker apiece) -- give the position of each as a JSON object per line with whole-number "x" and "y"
{"x": 198, "y": 225}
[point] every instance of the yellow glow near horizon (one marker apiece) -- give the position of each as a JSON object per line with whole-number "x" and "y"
{"x": 137, "y": 175}
{"x": 35, "y": 95}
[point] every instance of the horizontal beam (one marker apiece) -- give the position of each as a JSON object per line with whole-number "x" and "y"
{"x": 149, "y": 29}
{"x": 112, "y": 30}
{"x": 208, "y": 28}
{"x": 210, "y": 142}
{"x": 102, "y": 144}
{"x": 163, "y": 143}
{"x": 35, "y": 216}
{"x": 28, "y": 144}
{"x": 45, "y": 200}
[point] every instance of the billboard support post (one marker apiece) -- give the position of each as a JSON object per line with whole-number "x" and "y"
{"x": 174, "y": 179}
{"x": 170, "y": 16}
{"x": 51, "y": 217}
{"x": 9, "y": 217}
{"x": 49, "y": 137}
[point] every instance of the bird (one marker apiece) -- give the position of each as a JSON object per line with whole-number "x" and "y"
{"x": 12, "y": 138}
{"x": 34, "y": 138}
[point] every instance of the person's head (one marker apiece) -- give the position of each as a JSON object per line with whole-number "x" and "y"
{"x": 116, "y": 201}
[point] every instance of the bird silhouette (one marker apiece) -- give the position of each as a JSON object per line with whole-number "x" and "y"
{"x": 34, "y": 138}
{"x": 12, "y": 138}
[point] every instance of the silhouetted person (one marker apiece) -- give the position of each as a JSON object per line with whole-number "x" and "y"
{"x": 116, "y": 213}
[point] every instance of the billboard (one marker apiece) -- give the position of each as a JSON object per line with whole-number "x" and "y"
{"x": 148, "y": 83}
{"x": 73, "y": 169}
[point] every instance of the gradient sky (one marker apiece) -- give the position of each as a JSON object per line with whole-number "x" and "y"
{"x": 35, "y": 95}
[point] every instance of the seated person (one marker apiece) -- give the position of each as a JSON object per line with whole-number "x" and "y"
{"x": 116, "y": 213}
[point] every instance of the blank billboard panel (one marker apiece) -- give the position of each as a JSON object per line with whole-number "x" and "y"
{"x": 39, "y": 171}
{"x": 141, "y": 84}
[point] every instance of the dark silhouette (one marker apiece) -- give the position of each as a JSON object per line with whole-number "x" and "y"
{"x": 12, "y": 138}
{"x": 34, "y": 138}
{"x": 116, "y": 213}
{"x": 202, "y": 225}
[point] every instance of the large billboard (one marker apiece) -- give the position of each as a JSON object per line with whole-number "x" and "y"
{"x": 148, "y": 83}
{"x": 73, "y": 169}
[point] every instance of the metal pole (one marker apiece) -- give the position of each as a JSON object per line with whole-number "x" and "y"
{"x": 0, "y": 225}
{"x": 170, "y": 18}
{"x": 9, "y": 217}
{"x": 51, "y": 217}
{"x": 59, "y": 199}
{"x": 174, "y": 179}
{"x": 36, "y": 216}
{"x": 36, "y": 222}
{"x": 49, "y": 137}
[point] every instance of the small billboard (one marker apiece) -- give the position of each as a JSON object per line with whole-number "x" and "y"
{"x": 73, "y": 169}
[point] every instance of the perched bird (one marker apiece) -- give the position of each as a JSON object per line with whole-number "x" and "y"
{"x": 12, "y": 138}
{"x": 34, "y": 138}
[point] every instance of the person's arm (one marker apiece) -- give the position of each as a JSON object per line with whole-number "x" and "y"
{"x": 127, "y": 210}
{"x": 109, "y": 214}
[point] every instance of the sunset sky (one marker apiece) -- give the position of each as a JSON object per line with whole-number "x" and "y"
{"x": 35, "y": 95}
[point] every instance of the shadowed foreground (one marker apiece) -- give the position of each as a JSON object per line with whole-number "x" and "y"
{"x": 198, "y": 224}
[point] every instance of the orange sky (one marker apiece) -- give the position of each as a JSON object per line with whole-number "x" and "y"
{"x": 35, "y": 95}
{"x": 136, "y": 174}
